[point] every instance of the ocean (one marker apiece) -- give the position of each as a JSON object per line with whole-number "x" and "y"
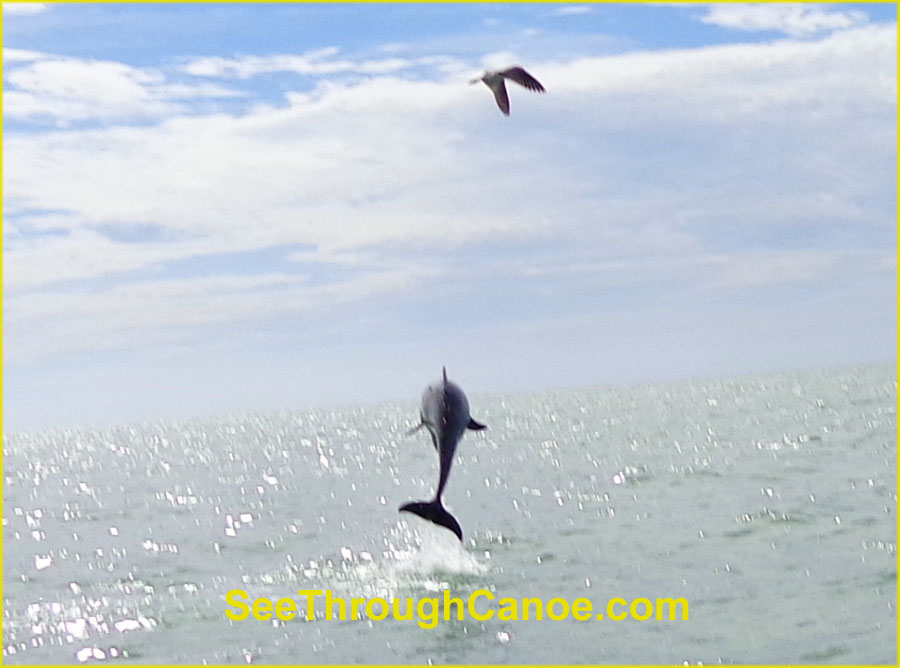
{"x": 768, "y": 503}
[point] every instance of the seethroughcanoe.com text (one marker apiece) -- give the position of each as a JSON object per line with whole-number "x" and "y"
{"x": 429, "y": 611}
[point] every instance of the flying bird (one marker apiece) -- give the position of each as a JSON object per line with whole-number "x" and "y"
{"x": 496, "y": 82}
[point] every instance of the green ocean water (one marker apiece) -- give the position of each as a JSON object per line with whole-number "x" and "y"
{"x": 769, "y": 503}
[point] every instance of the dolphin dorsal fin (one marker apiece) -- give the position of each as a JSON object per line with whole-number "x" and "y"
{"x": 445, "y": 374}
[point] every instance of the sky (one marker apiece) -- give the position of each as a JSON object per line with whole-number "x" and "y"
{"x": 217, "y": 208}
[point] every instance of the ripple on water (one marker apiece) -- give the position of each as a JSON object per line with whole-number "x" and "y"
{"x": 422, "y": 560}
{"x": 122, "y": 543}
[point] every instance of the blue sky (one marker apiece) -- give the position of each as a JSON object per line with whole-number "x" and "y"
{"x": 218, "y": 208}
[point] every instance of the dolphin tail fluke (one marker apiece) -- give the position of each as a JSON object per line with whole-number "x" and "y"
{"x": 434, "y": 511}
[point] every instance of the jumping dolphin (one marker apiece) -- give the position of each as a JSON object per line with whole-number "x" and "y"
{"x": 496, "y": 82}
{"x": 445, "y": 411}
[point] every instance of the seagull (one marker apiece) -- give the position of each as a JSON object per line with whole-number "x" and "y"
{"x": 494, "y": 81}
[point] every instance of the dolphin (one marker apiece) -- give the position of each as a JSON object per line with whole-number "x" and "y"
{"x": 445, "y": 412}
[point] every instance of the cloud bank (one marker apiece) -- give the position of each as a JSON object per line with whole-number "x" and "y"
{"x": 143, "y": 208}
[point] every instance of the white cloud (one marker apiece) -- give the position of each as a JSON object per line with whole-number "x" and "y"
{"x": 794, "y": 19}
{"x": 498, "y": 59}
{"x": 315, "y": 63}
{"x": 71, "y": 89}
{"x": 76, "y": 255}
{"x": 22, "y": 55}
{"x": 91, "y": 81}
{"x": 24, "y": 8}
{"x": 148, "y": 312}
{"x": 573, "y": 10}
{"x": 637, "y": 161}
{"x": 744, "y": 71}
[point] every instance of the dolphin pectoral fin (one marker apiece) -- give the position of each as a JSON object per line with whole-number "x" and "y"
{"x": 434, "y": 511}
{"x": 415, "y": 429}
{"x": 475, "y": 426}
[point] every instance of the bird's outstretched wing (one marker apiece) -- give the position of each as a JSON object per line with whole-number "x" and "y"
{"x": 522, "y": 78}
{"x": 500, "y": 95}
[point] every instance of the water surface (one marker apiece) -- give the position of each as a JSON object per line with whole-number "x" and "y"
{"x": 767, "y": 502}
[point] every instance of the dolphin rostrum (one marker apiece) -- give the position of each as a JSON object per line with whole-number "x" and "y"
{"x": 445, "y": 411}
